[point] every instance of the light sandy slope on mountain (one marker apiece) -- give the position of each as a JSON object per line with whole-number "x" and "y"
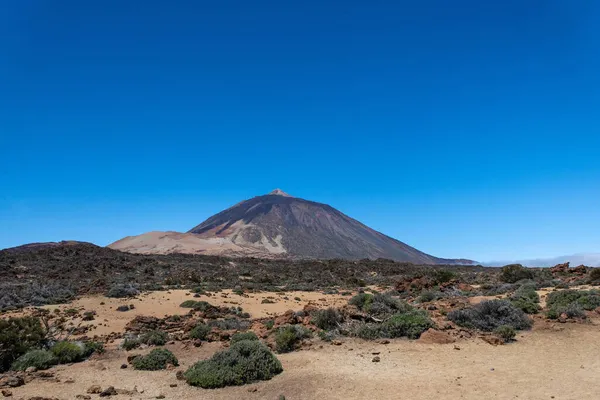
{"x": 175, "y": 242}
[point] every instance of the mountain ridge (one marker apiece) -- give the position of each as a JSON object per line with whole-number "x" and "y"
{"x": 280, "y": 225}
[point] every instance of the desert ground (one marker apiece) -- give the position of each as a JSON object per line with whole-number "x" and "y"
{"x": 552, "y": 361}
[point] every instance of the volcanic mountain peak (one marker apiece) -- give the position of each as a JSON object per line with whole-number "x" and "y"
{"x": 279, "y": 192}
{"x": 279, "y": 225}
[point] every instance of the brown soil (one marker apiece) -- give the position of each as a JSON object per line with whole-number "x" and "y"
{"x": 552, "y": 361}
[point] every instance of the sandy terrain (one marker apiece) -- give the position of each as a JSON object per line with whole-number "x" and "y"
{"x": 542, "y": 364}
{"x": 162, "y": 304}
{"x": 553, "y": 360}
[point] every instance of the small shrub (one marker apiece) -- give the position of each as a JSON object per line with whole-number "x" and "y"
{"x": 200, "y": 331}
{"x": 594, "y": 275}
{"x": 155, "y": 360}
{"x": 154, "y": 338}
{"x": 506, "y": 332}
{"x": 526, "y": 299}
{"x": 410, "y": 324}
{"x": 586, "y": 299}
{"x": 269, "y": 324}
{"x": 130, "y": 343}
{"x": 123, "y": 308}
{"x": 88, "y": 315}
{"x": 244, "y": 362}
{"x": 17, "y": 337}
{"x": 122, "y": 290}
{"x": 188, "y": 304}
{"x": 40, "y": 359}
{"x": 287, "y": 337}
{"x": 68, "y": 352}
{"x": 515, "y": 272}
{"x": 572, "y": 310}
{"x": 327, "y": 319}
{"x": 93, "y": 347}
{"x": 488, "y": 315}
{"x": 229, "y": 324}
{"x": 361, "y": 300}
{"x": 441, "y": 276}
{"x": 267, "y": 301}
{"x": 243, "y": 336}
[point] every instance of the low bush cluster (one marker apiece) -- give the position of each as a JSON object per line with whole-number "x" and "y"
{"x": 491, "y": 314}
{"x": 526, "y": 299}
{"x": 289, "y": 336}
{"x": 327, "y": 319}
{"x": 246, "y": 361}
{"x": 515, "y": 272}
{"x": 150, "y": 338}
{"x": 408, "y": 324}
{"x": 69, "y": 352}
{"x": 506, "y": 332}
{"x": 229, "y": 324}
{"x": 17, "y": 337}
{"x": 40, "y": 359}
{"x": 238, "y": 337}
{"x": 572, "y": 303}
{"x": 200, "y": 331}
{"x": 379, "y": 304}
{"x": 155, "y": 360}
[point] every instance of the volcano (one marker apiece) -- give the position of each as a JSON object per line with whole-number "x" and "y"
{"x": 280, "y": 225}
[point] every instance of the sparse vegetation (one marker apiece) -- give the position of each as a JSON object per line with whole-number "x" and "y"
{"x": 200, "y": 331}
{"x": 506, "y": 332}
{"x": 121, "y": 290}
{"x": 327, "y": 319}
{"x": 572, "y": 303}
{"x": 229, "y": 324}
{"x": 237, "y": 337}
{"x": 289, "y": 336}
{"x": 515, "y": 272}
{"x": 155, "y": 360}
{"x": 154, "y": 338}
{"x": 40, "y": 359}
{"x": 17, "y": 337}
{"x": 489, "y": 315}
{"x": 246, "y": 361}
{"x": 68, "y": 352}
{"x": 526, "y": 299}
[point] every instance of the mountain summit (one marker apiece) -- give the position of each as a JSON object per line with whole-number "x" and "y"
{"x": 278, "y": 225}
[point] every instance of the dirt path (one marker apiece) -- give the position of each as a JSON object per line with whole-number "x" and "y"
{"x": 543, "y": 364}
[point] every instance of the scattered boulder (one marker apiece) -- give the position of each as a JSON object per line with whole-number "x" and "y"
{"x": 433, "y": 336}
{"x": 6, "y": 393}
{"x": 95, "y": 389}
{"x": 109, "y": 391}
{"x": 123, "y": 308}
{"x": 376, "y": 359}
{"x": 83, "y": 397}
{"x": 12, "y": 381}
{"x": 560, "y": 268}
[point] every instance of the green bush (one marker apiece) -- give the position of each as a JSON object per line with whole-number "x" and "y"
{"x": 287, "y": 337}
{"x": 489, "y": 315}
{"x": 17, "y": 337}
{"x": 515, "y": 272}
{"x": 130, "y": 343}
{"x": 200, "y": 331}
{"x": 40, "y": 359}
{"x": 155, "y": 360}
{"x": 154, "y": 338}
{"x": 594, "y": 275}
{"x": 327, "y": 319}
{"x": 506, "y": 332}
{"x": 189, "y": 304}
{"x": 237, "y": 337}
{"x": 409, "y": 324}
{"x": 244, "y": 362}
{"x": 93, "y": 347}
{"x": 586, "y": 299}
{"x": 526, "y": 299}
{"x": 572, "y": 310}
{"x": 269, "y": 324}
{"x": 68, "y": 352}
{"x": 361, "y": 300}
{"x": 443, "y": 276}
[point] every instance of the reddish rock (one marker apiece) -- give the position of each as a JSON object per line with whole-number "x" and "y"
{"x": 432, "y": 336}
{"x": 579, "y": 270}
{"x": 560, "y": 268}
{"x": 288, "y": 317}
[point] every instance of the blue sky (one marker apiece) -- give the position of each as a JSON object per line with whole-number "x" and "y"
{"x": 470, "y": 130}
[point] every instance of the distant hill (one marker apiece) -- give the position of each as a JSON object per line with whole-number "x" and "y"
{"x": 588, "y": 259}
{"x": 42, "y": 245}
{"x": 278, "y": 225}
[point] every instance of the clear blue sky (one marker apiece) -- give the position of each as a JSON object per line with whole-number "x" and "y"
{"x": 464, "y": 128}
